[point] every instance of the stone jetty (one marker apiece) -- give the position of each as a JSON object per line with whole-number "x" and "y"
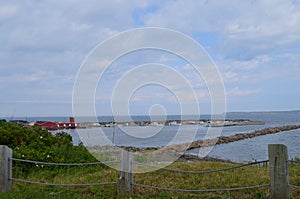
{"x": 241, "y": 136}
{"x": 181, "y": 148}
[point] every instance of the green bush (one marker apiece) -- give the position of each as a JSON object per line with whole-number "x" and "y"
{"x": 34, "y": 143}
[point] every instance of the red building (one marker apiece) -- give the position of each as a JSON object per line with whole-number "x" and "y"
{"x": 68, "y": 125}
{"x": 47, "y": 125}
{"x": 54, "y": 125}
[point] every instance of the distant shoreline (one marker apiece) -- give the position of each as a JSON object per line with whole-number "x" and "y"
{"x": 141, "y": 115}
{"x": 50, "y": 125}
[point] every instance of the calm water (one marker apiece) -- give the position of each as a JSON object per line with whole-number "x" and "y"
{"x": 241, "y": 151}
{"x": 256, "y": 148}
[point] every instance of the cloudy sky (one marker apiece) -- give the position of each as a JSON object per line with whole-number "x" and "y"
{"x": 254, "y": 44}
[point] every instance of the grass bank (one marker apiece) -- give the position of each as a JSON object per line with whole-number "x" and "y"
{"x": 246, "y": 176}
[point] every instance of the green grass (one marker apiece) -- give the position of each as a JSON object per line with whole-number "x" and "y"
{"x": 246, "y": 176}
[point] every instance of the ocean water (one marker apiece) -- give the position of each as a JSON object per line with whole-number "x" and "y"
{"x": 241, "y": 151}
{"x": 256, "y": 149}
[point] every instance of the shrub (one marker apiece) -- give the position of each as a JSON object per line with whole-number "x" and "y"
{"x": 34, "y": 143}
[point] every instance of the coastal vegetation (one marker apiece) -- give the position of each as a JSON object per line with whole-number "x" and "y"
{"x": 33, "y": 143}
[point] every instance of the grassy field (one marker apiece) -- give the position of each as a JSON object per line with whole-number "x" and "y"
{"x": 246, "y": 176}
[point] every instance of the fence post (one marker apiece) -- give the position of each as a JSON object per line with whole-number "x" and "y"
{"x": 126, "y": 176}
{"x": 279, "y": 176}
{"x": 5, "y": 168}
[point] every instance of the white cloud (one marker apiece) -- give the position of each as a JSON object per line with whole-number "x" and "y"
{"x": 236, "y": 91}
{"x": 230, "y": 75}
{"x": 255, "y": 70}
{"x": 64, "y": 24}
{"x": 249, "y": 28}
{"x": 253, "y": 63}
{"x": 44, "y": 42}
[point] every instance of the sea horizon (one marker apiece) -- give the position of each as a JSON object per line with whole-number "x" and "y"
{"x": 205, "y": 115}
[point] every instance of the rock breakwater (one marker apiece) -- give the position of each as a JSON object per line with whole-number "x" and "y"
{"x": 181, "y": 148}
{"x": 240, "y": 136}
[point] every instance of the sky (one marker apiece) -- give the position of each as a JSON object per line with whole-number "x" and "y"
{"x": 255, "y": 46}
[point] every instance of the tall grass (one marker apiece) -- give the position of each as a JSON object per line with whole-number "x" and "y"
{"x": 246, "y": 176}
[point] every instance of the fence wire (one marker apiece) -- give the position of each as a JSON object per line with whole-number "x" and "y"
{"x": 62, "y": 185}
{"x": 201, "y": 191}
{"x": 202, "y": 172}
{"x": 294, "y": 186}
{"x": 293, "y": 161}
{"x": 63, "y": 164}
{"x": 148, "y": 186}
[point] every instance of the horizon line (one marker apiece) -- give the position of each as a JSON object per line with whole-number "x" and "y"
{"x": 107, "y": 115}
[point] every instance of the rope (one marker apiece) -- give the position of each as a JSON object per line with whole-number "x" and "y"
{"x": 294, "y": 186}
{"x": 293, "y": 161}
{"x": 202, "y": 172}
{"x": 63, "y": 164}
{"x": 204, "y": 190}
{"x": 62, "y": 185}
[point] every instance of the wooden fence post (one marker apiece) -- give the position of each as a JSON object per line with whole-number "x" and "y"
{"x": 126, "y": 176}
{"x": 279, "y": 175}
{"x": 5, "y": 168}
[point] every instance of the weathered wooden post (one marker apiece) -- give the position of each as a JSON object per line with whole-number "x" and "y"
{"x": 5, "y": 168}
{"x": 126, "y": 176}
{"x": 279, "y": 175}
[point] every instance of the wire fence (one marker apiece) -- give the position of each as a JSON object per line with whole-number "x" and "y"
{"x": 294, "y": 186}
{"x": 127, "y": 161}
{"x": 148, "y": 165}
{"x": 63, "y": 185}
{"x": 294, "y": 162}
{"x": 62, "y": 164}
{"x": 141, "y": 185}
{"x": 202, "y": 172}
{"x": 202, "y": 191}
